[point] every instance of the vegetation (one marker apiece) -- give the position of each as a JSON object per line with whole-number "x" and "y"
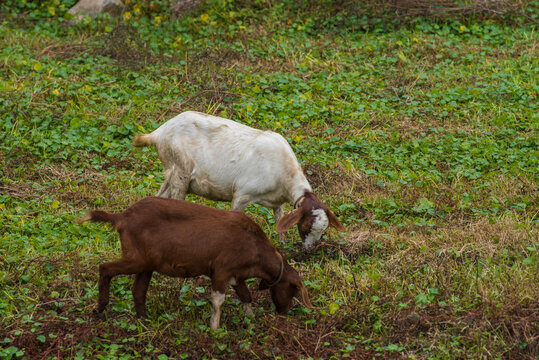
{"x": 420, "y": 133}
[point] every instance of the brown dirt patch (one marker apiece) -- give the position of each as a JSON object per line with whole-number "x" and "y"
{"x": 289, "y": 336}
{"x": 126, "y": 47}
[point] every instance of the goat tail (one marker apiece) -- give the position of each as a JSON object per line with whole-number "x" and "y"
{"x": 99, "y": 216}
{"x": 142, "y": 140}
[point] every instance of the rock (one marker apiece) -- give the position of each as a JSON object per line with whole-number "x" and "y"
{"x": 413, "y": 318}
{"x": 93, "y": 7}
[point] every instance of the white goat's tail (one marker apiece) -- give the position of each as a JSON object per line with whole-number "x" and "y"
{"x": 142, "y": 140}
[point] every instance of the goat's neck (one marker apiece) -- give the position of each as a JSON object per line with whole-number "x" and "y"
{"x": 297, "y": 186}
{"x": 270, "y": 266}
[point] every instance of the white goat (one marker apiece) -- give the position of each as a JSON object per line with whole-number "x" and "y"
{"x": 221, "y": 159}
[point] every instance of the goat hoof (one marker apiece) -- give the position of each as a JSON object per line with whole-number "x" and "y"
{"x": 99, "y": 315}
{"x": 141, "y": 316}
{"x": 248, "y": 310}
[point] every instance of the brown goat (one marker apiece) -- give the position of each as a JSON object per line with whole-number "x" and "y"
{"x": 182, "y": 239}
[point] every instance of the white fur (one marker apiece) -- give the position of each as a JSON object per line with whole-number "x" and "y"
{"x": 320, "y": 224}
{"x": 217, "y": 299}
{"x": 221, "y": 159}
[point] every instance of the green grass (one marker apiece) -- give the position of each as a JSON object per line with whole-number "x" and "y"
{"x": 422, "y": 137}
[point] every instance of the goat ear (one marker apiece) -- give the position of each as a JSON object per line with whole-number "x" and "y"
{"x": 333, "y": 221}
{"x": 305, "y": 295}
{"x": 263, "y": 285}
{"x": 289, "y": 220}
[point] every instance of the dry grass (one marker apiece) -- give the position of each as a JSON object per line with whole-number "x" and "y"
{"x": 450, "y": 8}
{"x": 63, "y": 51}
{"x": 347, "y": 185}
{"x": 482, "y": 239}
{"x": 479, "y": 263}
{"x": 75, "y": 187}
{"x": 404, "y": 11}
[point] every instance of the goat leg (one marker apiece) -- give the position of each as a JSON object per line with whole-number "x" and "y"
{"x": 239, "y": 203}
{"x": 278, "y": 213}
{"x": 245, "y": 296}
{"x": 103, "y": 286}
{"x": 217, "y": 299}
{"x": 140, "y": 289}
{"x": 106, "y": 272}
{"x": 175, "y": 185}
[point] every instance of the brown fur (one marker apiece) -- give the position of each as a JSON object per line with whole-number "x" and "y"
{"x": 183, "y": 239}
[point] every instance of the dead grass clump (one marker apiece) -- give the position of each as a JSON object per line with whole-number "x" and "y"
{"x": 67, "y": 184}
{"x": 63, "y": 51}
{"x": 16, "y": 190}
{"x": 517, "y": 324}
{"x": 341, "y": 182}
{"x": 357, "y": 243}
{"x": 479, "y": 239}
{"x": 124, "y": 45}
{"x": 405, "y": 10}
{"x": 182, "y": 8}
{"x": 293, "y": 339}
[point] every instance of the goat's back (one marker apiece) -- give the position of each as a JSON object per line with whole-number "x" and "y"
{"x": 224, "y": 155}
{"x": 169, "y": 230}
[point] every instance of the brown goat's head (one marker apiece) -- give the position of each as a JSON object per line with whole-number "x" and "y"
{"x": 313, "y": 217}
{"x": 285, "y": 290}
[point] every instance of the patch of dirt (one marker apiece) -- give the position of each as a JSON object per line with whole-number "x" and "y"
{"x": 124, "y": 45}
{"x": 292, "y": 338}
{"x": 285, "y": 336}
{"x": 126, "y": 164}
{"x": 410, "y": 323}
{"x": 208, "y": 74}
{"x": 68, "y": 333}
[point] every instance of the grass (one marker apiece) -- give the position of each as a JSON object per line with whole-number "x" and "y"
{"x": 421, "y": 135}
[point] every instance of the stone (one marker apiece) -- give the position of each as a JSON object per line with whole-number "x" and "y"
{"x": 93, "y": 7}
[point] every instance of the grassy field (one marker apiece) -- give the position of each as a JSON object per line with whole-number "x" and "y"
{"x": 421, "y": 134}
